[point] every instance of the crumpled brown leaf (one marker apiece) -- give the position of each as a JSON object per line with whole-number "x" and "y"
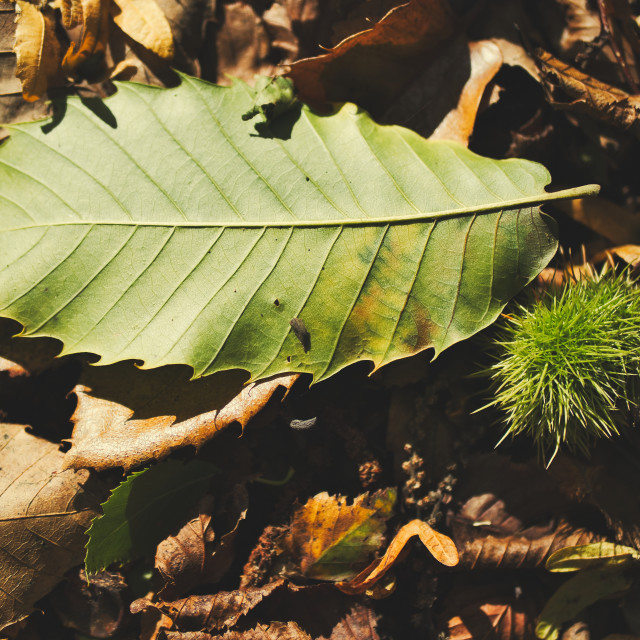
{"x": 144, "y": 21}
{"x": 194, "y": 555}
{"x": 128, "y": 426}
{"x": 495, "y": 612}
{"x": 37, "y": 49}
{"x": 44, "y": 513}
{"x": 271, "y": 631}
{"x": 209, "y": 612}
{"x": 329, "y": 539}
{"x": 95, "y": 31}
{"x": 457, "y": 125}
{"x": 359, "y": 623}
{"x": 441, "y": 547}
{"x": 371, "y": 67}
{"x": 515, "y": 517}
{"x": 570, "y": 88}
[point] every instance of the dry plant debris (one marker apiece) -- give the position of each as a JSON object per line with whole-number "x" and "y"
{"x": 281, "y": 543}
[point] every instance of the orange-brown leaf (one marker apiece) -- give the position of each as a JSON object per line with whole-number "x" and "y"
{"x": 209, "y": 612}
{"x": 441, "y": 547}
{"x": 95, "y": 30}
{"x": 371, "y": 67}
{"x": 144, "y": 21}
{"x": 37, "y": 49}
{"x": 271, "y": 631}
{"x": 573, "y": 89}
{"x": 331, "y": 540}
{"x": 127, "y": 426}
{"x": 457, "y": 125}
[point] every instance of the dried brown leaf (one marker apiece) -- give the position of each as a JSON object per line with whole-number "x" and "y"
{"x": 372, "y": 67}
{"x": 131, "y": 427}
{"x": 441, "y": 547}
{"x": 44, "y": 513}
{"x": 271, "y": 631}
{"x": 12, "y": 369}
{"x": 195, "y": 555}
{"x": 144, "y": 21}
{"x": 330, "y": 540}
{"x": 95, "y": 30}
{"x": 71, "y": 13}
{"x": 481, "y": 549}
{"x": 489, "y": 612}
{"x": 37, "y": 49}
{"x": 209, "y": 612}
{"x": 242, "y": 44}
{"x": 359, "y": 623}
{"x": 630, "y": 253}
{"x": 457, "y": 125}
{"x": 570, "y": 88}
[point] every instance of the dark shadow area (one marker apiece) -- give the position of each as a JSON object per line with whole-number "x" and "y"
{"x": 59, "y": 110}
{"x": 101, "y": 110}
{"x": 281, "y": 127}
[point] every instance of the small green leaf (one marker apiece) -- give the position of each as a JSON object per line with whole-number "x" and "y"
{"x": 274, "y": 97}
{"x": 584, "y": 555}
{"x": 576, "y": 594}
{"x": 143, "y": 510}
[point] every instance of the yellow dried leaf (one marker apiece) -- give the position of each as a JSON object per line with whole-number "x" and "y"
{"x": 37, "y": 49}
{"x": 144, "y": 21}
{"x": 95, "y": 23}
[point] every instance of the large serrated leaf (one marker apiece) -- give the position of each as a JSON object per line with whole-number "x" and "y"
{"x": 160, "y": 226}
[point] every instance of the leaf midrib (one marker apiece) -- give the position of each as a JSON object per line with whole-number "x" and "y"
{"x": 491, "y": 207}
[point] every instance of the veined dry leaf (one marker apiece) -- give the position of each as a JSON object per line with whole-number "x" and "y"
{"x": 271, "y": 631}
{"x": 72, "y": 13}
{"x": 144, "y": 21}
{"x": 371, "y": 67}
{"x": 486, "y": 60}
{"x": 358, "y": 624}
{"x": 95, "y": 30}
{"x": 108, "y": 434}
{"x": 494, "y": 612}
{"x": 481, "y": 550}
{"x": 573, "y": 89}
{"x": 37, "y": 49}
{"x": 198, "y": 553}
{"x": 209, "y": 612}
{"x": 44, "y": 512}
{"x": 330, "y": 540}
{"x": 441, "y": 547}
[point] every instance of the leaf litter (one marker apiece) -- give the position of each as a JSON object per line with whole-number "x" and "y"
{"x": 411, "y": 424}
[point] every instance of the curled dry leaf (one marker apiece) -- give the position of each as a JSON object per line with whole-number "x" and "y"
{"x": 95, "y": 30}
{"x": 71, "y": 13}
{"x": 486, "y": 60}
{"x": 371, "y": 67}
{"x": 271, "y": 631}
{"x": 209, "y": 612}
{"x": 330, "y": 540}
{"x": 358, "y": 624}
{"x": 144, "y": 21}
{"x": 37, "y": 49}
{"x": 441, "y": 547}
{"x": 489, "y": 612}
{"x": 573, "y": 89}
{"x": 108, "y": 434}
{"x": 195, "y": 555}
{"x": 481, "y": 550}
{"x": 43, "y": 515}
